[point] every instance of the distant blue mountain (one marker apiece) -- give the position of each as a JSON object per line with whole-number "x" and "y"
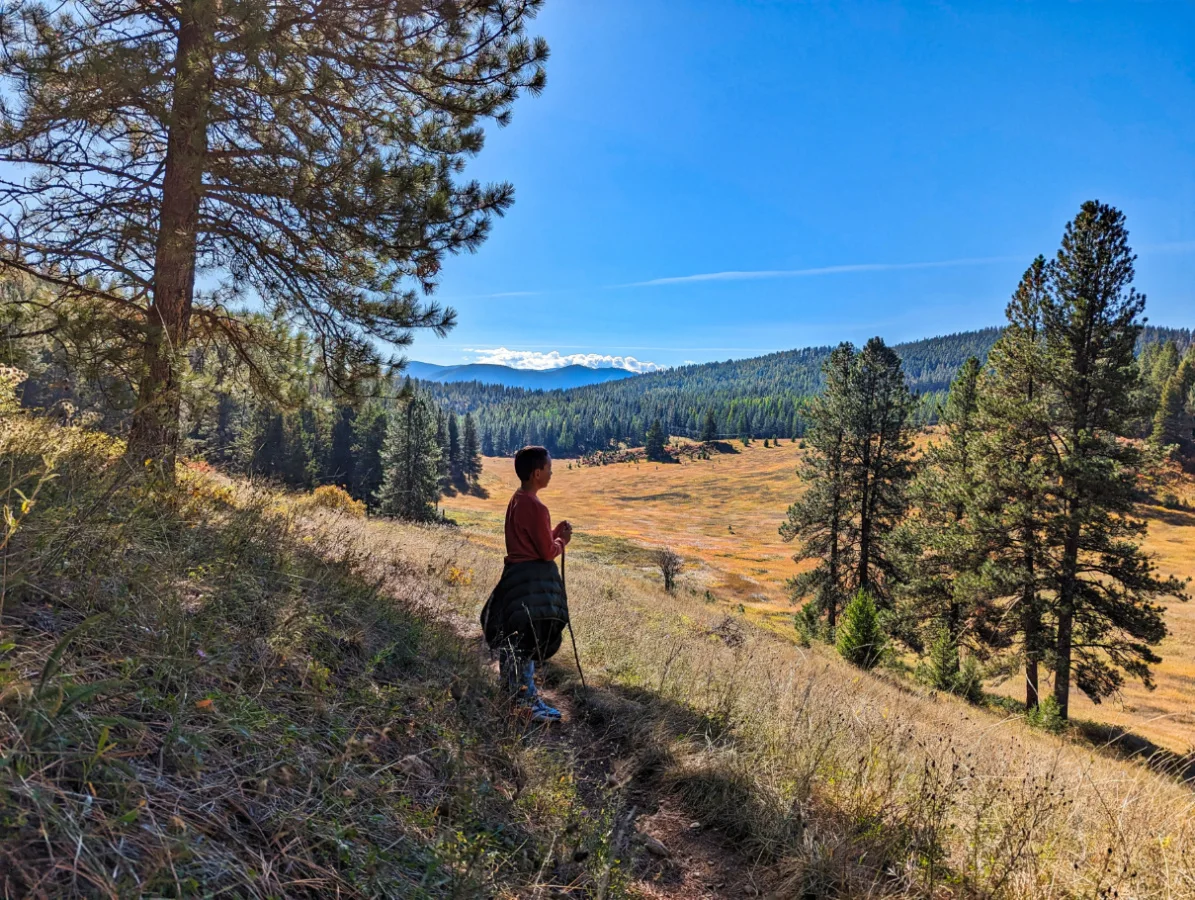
{"x": 532, "y": 379}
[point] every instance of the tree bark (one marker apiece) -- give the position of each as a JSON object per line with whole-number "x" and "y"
{"x": 1066, "y": 616}
{"x": 153, "y": 437}
{"x": 1031, "y": 627}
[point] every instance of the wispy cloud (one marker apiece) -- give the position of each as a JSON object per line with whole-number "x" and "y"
{"x": 749, "y": 275}
{"x": 1170, "y": 247}
{"x": 534, "y": 359}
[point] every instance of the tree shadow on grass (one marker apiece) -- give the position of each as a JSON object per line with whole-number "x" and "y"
{"x": 1125, "y": 744}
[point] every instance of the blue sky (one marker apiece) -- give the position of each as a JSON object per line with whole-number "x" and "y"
{"x": 842, "y": 169}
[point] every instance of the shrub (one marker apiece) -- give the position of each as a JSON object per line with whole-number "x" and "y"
{"x": 669, "y": 563}
{"x": 969, "y": 682}
{"x": 860, "y": 639}
{"x": 808, "y": 622}
{"x": 10, "y": 380}
{"x": 943, "y": 669}
{"x": 1171, "y": 501}
{"x": 335, "y": 499}
{"x": 1047, "y": 715}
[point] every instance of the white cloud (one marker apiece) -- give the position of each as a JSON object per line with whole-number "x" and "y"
{"x": 821, "y": 270}
{"x": 533, "y": 359}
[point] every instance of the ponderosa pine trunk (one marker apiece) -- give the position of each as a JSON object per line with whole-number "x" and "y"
{"x": 154, "y": 433}
{"x": 1030, "y": 626}
{"x": 832, "y": 606}
{"x": 1066, "y": 615}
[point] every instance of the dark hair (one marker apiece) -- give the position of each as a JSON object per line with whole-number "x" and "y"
{"x": 528, "y": 460}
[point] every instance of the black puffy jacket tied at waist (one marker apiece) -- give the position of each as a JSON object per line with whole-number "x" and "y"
{"x": 527, "y": 611}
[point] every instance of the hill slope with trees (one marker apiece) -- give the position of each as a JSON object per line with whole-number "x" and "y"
{"x": 761, "y": 397}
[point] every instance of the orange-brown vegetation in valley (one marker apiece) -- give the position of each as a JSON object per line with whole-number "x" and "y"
{"x": 722, "y": 516}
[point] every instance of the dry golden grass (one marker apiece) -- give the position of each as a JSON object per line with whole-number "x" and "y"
{"x": 840, "y": 783}
{"x": 722, "y": 516}
{"x": 326, "y": 665}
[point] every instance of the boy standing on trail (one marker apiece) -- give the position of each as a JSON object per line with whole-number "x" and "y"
{"x": 525, "y": 615}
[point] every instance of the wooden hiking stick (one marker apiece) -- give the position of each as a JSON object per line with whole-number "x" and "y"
{"x": 572, "y": 637}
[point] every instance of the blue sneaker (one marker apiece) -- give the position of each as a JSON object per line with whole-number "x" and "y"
{"x": 541, "y": 712}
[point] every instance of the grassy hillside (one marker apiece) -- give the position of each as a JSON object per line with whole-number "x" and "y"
{"x": 213, "y": 689}
{"x": 722, "y": 515}
{"x": 205, "y": 691}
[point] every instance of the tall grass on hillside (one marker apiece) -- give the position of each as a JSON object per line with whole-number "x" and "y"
{"x": 198, "y": 699}
{"x": 839, "y": 782}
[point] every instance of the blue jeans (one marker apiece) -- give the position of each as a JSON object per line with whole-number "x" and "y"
{"x": 518, "y": 675}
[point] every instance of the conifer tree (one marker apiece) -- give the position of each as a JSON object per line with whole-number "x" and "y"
{"x": 859, "y": 638}
{"x": 1174, "y": 422}
{"x": 341, "y": 460}
{"x": 456, "y": 468}
{"x": 654, "y": 443}
{"x": 1107, "y": 619}
{"x": 471, "y": 450}
{"x": 819, "y": 518}
{"x": 946, "y": 553}
{"x": 876, "y": 463}
{"x": 1156, "y": 364}
{"x": 308, "y": 152}
{"x": 410, "y": 482}
{"x": 1015, "y": 485}
{"x": 369, "y": 436}
{"x": 709, "y": 430}
{"x": 444, "y": 465}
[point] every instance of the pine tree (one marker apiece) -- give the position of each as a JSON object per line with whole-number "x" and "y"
{"x": 1156, "y": 364}
{"x": 341, "y": 460}
{"x": 1174, "y": 422}
{"x": 471, "y": 451}
{"x": 1015, "y": 486}
{"x": 709, "y": 430}
{"x": 1107, "y": 619}
{"x": 410, "y": 482}
{"x": 456, "y": 467}
{"x": 876, "y": 463}
{"x": 818, "y": 519}
{"x": 655, "y": 441}
{"x": 860, "y": 639}
{"x": 369, "y": 437}
{"x": 444, "y": 465}
{"x": 310, "y": 152}
{"x": 946, "y": 553}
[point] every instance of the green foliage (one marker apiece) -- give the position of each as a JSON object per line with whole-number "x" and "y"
{"x": 969, "y": 684}
{"x": 857, "y": 476}
{"x": 810, "y": 625}
{"x": 410, "y": 486}
{"x": 766, "y": 395}
{"x": 940, "y": 545}
{"x": 1107, "y": 619}
{"x": 943, "y": 663}
{"x": 1047, "y": 715}
{"x": 335, "y": 213}
{"x": 709, "y": 428}
{"x": 945, "y": 672}
{"x": 1174, "y": 422}
{"x": 859, "y": 638}
{"x": 655, "y": 442}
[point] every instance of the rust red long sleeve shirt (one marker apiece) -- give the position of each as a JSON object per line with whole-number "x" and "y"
{"x": 529, "y": 532}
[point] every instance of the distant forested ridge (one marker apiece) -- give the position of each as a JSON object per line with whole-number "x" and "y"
{"x": 761, "y": 397}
